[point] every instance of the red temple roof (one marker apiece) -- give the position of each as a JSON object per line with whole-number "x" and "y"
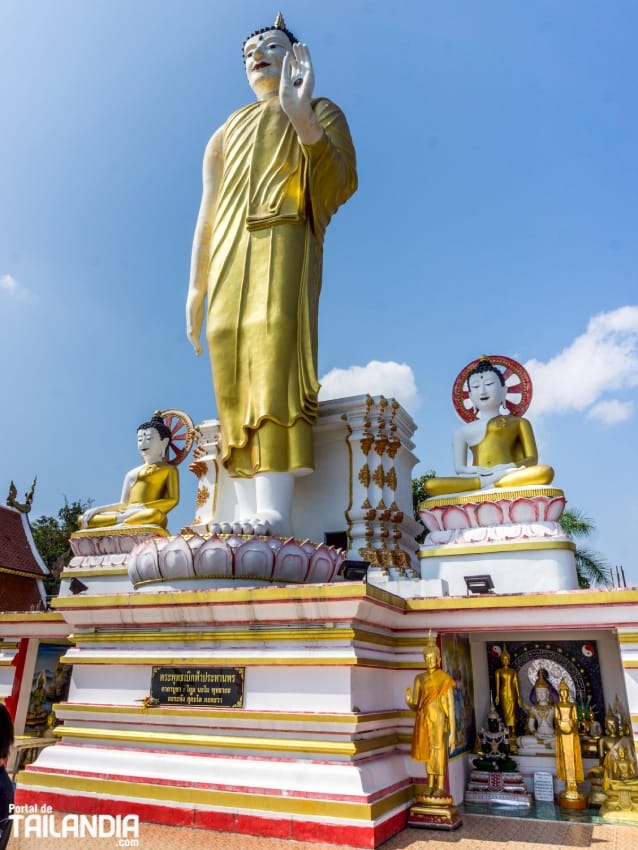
{"x": 18, "y": 553}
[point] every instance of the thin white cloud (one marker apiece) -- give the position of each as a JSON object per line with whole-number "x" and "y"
{"x": 12, "y": 288}
{"x": 610, "y": 412}
{"x": 600, "y": 362}
{"x": 390, "y": 379}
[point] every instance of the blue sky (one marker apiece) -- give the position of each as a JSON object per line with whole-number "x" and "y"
{"x": 497, "y": 213}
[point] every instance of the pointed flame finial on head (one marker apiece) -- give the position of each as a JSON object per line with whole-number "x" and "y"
{"x": 563, "y": 686}
{"x": 431, "y": 644}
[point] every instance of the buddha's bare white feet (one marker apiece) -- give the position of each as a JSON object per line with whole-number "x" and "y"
{"x": 274, "y": 522}
{"x": 264, "y": 525}
{"x": 253, "y": 525}
{"x": 244, "y": 526}
{"x": 221, "y": 528}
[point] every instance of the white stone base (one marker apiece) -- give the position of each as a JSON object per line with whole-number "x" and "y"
{"x": 361, "y": 485}
{"x": 407, "y": 588}
{"x": 525, "y": 569}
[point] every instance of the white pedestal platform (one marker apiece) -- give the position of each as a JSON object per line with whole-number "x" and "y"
{"x": 527, "y": 570}
{"x": 316, "y": 750}
{"x": 319, "y": 747}
{"x": 361, "y": 484}
{"x": 511, "y": 535}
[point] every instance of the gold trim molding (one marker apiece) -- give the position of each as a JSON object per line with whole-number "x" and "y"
{"x": 492, "y": 496}
{"x": 452, "y": 550}
{"x": 353, "y": 719}
{"x": 239, "y": 743}
{"x": 122, "y": 659}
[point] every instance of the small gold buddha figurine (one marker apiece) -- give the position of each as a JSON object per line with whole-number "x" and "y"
{"x": 502, "y": 446}
{"x": 606, "y": 744}
{"x": 623, "y": 768}
{"x": 569, "y": 761}
{"x": 432, "y": 697}
{"x": 149, "y": 491}
{"x": 610, "y": 739}
{"x": 620, "y": 771}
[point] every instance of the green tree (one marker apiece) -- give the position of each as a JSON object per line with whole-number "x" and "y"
{"x": 418, "y": 495}
{"x": 51, "y": 536}
{"x": 591, "y": 566}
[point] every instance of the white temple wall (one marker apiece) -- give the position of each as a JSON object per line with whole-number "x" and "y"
{"x": 322, "y": 498}
{"x": 458, "y": 775}
{"x": 267, "y": 688}
{"x": 298, "y": 688}
{"x": 8, "y": 653}
{"x": 480, "y": 678}
{"x": 631, "y": 685}
{"x": 529, "y": 571}
{"x": 6, "y": 682}
{"x": 611, "y": 669}
{"x": 379, "y": 689}
{"x": 110, "y": 684}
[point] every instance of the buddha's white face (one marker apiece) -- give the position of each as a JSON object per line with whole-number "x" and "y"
{"x": 486, "y": 392}
{"x": 542, "y": 696}
{"x": 150, "y": 445}
{"x": 264, "y": 56}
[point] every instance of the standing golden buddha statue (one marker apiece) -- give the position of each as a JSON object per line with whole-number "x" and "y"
{"x": 432, "y": 698}
{"x": 508, "y": 695}
{"x": 569, "y": 761}
{"x": 274, "y": 174}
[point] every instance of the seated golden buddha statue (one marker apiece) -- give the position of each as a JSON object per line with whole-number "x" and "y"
{"x": 502, "y": 446}
{"x": 149, "y": 491}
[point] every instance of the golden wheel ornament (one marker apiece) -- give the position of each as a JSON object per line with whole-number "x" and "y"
{"x": 517, "y": 382}
{"x": 182, "y": 436}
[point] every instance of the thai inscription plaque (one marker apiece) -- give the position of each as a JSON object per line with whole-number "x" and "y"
{"x": 206, "y": 687}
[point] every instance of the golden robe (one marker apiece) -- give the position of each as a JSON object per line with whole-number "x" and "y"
{"x": 569, "y": 761}
{"x": 275, "y": 200}
{"x": 432, "y": 724}
{"x": 507, "y": 691}
{"x": 508, "y": 439}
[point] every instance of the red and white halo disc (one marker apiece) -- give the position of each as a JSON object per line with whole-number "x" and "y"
{"x": 517, "y": 381}
{"x": 182, "y": 434}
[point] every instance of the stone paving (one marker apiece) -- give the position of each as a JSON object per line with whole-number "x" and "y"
{"x": 479, "y": 832}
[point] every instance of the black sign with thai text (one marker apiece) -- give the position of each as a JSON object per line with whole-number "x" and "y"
{"x": 205, "y": 687}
